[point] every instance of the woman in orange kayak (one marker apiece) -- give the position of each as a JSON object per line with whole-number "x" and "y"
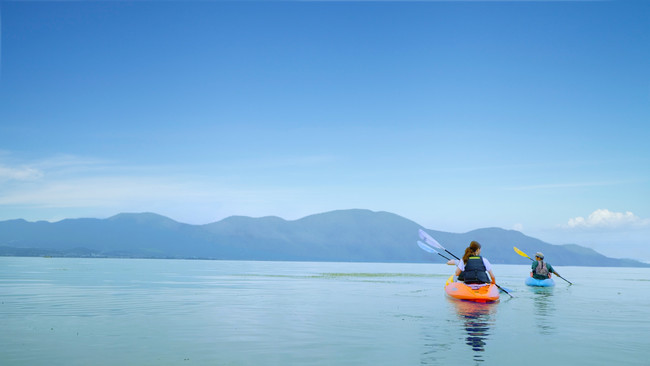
{"x": 473, "y": 268}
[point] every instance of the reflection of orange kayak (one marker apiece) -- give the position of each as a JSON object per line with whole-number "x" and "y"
{"x": 459, "y": 290}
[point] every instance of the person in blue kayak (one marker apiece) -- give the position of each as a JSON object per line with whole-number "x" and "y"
{"x": 541, "y": 270}
{"x": 473, "y": 268}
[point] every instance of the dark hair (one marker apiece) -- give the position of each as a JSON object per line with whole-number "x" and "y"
{"x": 471, "y": 249}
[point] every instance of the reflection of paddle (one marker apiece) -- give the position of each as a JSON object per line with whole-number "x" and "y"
{"x": 431, "y": 241}
{"x": 526, "y": 255}
{"x": 427, "y": 248}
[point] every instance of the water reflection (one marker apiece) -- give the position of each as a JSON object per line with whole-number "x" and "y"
{"x": 544, "y": 308}
{"x": 476, "y": 319}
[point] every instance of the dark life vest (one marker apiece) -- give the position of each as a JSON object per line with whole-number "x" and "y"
{"x": 474, "y": 272}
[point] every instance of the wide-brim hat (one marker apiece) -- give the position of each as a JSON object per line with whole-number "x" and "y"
{"x": 539, "y": 254}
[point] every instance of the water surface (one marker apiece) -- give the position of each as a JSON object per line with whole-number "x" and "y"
{"x": 170, "y": 312}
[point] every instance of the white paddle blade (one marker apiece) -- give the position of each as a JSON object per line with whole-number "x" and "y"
{"x": 429, "y": 240}
{"x": 426, "y": 248}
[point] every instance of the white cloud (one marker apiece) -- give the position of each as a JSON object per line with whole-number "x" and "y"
{"x": 19, "y": 173}
{"x": 603, "y": 218}
{"x": 68, "y": 188}
{"x": 11, "y": 170}
{"x": 74, "y": 186}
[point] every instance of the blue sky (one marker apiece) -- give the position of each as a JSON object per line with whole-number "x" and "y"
{"x": 523, "y": 115}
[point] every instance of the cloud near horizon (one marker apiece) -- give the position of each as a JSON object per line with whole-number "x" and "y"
{"x": 67, "y": 186}
{"x": 604, "y": 218}
{"x": 23, "y": 173}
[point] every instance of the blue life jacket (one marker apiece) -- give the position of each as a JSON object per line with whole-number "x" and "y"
{"x": 474, "y": 272}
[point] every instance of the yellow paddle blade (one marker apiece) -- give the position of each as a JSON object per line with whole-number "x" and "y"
{"x": 521, "y": 253}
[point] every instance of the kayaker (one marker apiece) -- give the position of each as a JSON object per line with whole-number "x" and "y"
{"x": 473, "y": 268}
{"x": 541, "y": 270}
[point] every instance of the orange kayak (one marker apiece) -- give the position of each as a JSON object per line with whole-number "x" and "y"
{"x": 461, "y": 291}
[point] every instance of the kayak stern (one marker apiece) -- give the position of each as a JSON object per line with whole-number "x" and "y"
{"x": 539, "y": 283}
{"x": 461, "y": 291}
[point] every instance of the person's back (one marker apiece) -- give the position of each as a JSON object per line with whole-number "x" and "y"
{"x": 541, "y": 270}
{"x": 473, "y": 268}
{"x": 475, "y": 271}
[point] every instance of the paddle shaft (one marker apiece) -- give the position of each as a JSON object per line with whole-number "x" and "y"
{"x": 444, "y": 256}
{"x": 563, "y": 278}
{"x": 452, "y": 254}
{"x": 502, "y": 289}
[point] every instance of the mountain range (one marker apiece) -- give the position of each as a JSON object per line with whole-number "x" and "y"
{"x": 346, "y": 235}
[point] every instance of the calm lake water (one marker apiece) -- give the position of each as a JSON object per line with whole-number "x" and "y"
{"x": 60, "y": 311}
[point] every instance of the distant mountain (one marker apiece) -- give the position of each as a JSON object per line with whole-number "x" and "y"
{"x": 345, "y": 235}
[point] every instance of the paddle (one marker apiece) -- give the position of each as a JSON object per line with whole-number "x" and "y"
{"x": 526, "y": 255}
{"x": 427, "y": 248}
{"x": 431, "y": 241}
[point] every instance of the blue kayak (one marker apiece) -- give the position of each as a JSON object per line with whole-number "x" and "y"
{"x": 540, "y": 283}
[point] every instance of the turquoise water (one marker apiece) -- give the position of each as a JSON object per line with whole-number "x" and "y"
{"x": 175, "y": 312}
